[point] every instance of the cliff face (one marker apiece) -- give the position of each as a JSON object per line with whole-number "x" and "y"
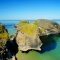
{"x": 28, "y": 33}
{"x": 3, "y": 35}
{"x": 28, "y": 38}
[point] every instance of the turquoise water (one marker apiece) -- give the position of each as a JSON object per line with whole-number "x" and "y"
{"x": 11, "y": 31}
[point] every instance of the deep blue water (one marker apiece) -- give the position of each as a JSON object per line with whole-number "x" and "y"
{"x": 10, "y": 23}
{"x": 58, "y": 21}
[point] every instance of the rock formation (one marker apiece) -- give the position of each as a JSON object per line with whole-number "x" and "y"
{"x": 6, "y": 45}
{"x": 28, "y": 33}
{"x": 4, "y": 36}
{"x": 28, "y": 38}
{"x": 47, "y": 27}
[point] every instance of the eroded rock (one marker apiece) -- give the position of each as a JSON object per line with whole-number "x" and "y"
{"x": 4, "y": 36}
{"x": 47, "y": 27}
{"x": 28, "y": 38}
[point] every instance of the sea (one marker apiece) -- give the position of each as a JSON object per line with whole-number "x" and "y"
{"x": 50, "y": 51}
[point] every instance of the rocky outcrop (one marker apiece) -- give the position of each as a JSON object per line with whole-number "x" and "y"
{"x": 28, "y": 38}
{"x": 21, "y": 23}
{"x": 4, "y": 36}
{"x": 47, "y": 27}
{"x": 28, "y": 33}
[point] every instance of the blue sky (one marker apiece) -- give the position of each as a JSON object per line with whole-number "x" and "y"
{"x": 29, "y": 9}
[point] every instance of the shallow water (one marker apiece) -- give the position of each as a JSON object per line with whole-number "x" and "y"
{"x": 11, "y": 31}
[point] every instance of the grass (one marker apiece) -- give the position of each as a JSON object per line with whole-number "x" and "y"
{"x": 29, "y": 29}
{"x": 23, "y": 22}
{"x": 3, "y": 35}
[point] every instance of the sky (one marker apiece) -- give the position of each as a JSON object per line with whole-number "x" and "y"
{"x": 29, "y": 9}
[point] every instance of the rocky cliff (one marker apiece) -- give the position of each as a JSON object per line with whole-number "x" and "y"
{"x": 28, "y": 38}
{"x": 4, "y": 36}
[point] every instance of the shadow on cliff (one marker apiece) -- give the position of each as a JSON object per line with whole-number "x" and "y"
{"x": 12, "y": 47}
{"x": 49, "y": 42}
